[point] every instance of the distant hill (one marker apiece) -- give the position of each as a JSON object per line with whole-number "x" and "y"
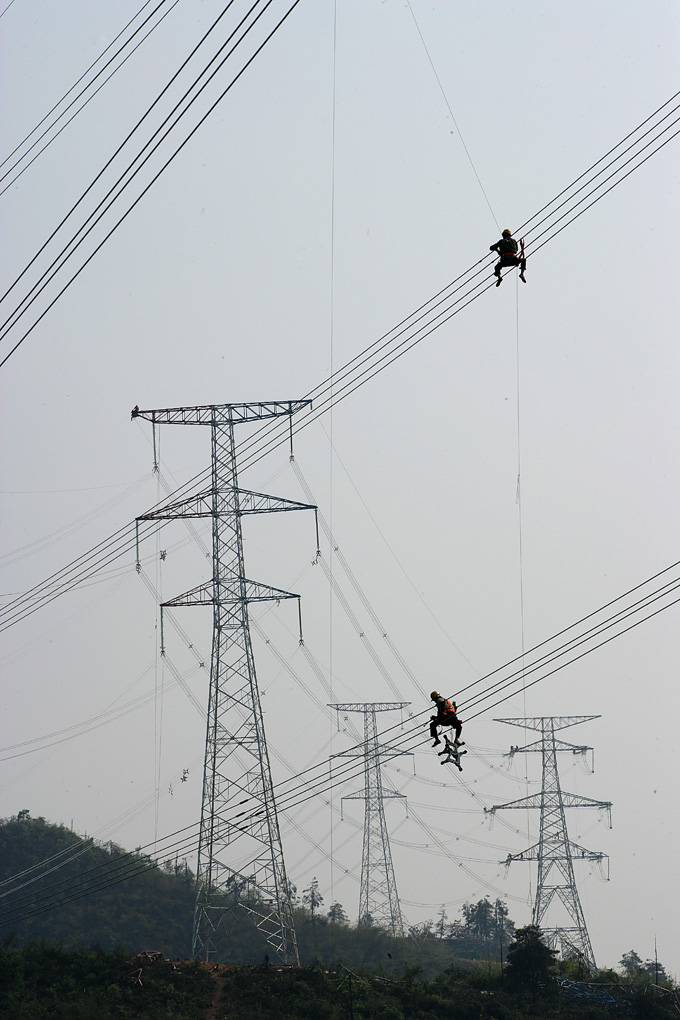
{"x": 70, "y": 890}
{"x": 73, "y": 890}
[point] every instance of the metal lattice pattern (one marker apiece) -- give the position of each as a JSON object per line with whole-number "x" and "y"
{"x": 236, "y": 769}
{"x": 554, "y": 851}
{"x": 378, "y": 899}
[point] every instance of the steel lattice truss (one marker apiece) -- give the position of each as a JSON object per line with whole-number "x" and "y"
{"x": 236, "y": 769}
{"x": 378, "y": 899}
{"x": 554, "y": 851}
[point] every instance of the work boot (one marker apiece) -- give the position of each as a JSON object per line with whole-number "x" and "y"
{"x": 499, "y": 281}
{"x": 522, "y": 277}
{"x": 436, "y": 741}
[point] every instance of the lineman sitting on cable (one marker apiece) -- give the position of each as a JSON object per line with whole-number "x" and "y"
{"x": 446, "y": 716}
{"x": 507, "y": 248}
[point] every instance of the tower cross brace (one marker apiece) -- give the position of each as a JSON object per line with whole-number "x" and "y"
{"x": 239, "y": 822}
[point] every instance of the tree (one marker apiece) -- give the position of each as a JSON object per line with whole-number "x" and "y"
{"x": 155, "y": 910}
{"x": 337, "y": 915}
{"x": 630, "y": 963}
{"x": 312, "y": 898}
{"x": 530, "y": 961}
{"x": 635, "y": 970}
{"x": 655, "y": 970}
{"x": 479, "y": 918}
{"x": 441, "y": 925}
{"x": 486, "y": 930}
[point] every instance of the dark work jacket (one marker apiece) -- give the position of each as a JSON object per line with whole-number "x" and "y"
{"x": 506, "y": 246}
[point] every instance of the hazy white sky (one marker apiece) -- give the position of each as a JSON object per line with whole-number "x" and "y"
{"x": 288, "y": 235}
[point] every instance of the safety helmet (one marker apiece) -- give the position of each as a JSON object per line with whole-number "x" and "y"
{"x": 435, "y": 694}
{"x": 507, "y": 232}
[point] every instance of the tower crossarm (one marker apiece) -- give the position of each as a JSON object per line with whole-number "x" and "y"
{"x": 524, "y": 855}
{"x": 532, "y": 801}
{"x": 377, "y": 706}
{"x": 575, "y": 851}
{"x": 537, "y": 746}
{"x": 557, "y": 722}
{"x": 581, "y": 853}
{"x": 257, "y": 592}
{"x": 254, "y": 591}
{"x": 198, "y": 505}
{"x": 206, "y": 414}
{"x": 261, "y": 503}
{"x": 201, "y": 504}
{"x": 536, "y": 800}
{"x": 361, "y": 795}
{"x": 576, "y": 800}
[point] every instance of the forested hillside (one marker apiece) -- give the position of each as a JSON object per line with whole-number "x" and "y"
{"x": 79, "y": 918}
{"x": 73, "y": 890}
{"x": 65, "y": 888}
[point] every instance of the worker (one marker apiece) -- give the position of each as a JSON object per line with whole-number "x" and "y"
{"x": 446, "y": 716}
{"x": 507, "y": 248}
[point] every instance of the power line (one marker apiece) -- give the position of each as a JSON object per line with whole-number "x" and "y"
{"x": 28, "y": 300}
{"x": 303, "y": 792}
{"x": 647, "y": 157}
{"x": 315, "y": 784}
{"x": 499, "y": 689}
{"x": 314, "y": 787}
{"x": 118, "y": 151}
{"x": 290, "y": 798}
{"x": 356, "y": 372}
{"x": 82, "y": 92}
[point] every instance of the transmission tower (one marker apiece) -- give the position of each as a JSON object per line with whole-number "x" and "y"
{"x": 378, "y": 900}
{"x": 239, "y": 822}
{"x": 555, "y": 851}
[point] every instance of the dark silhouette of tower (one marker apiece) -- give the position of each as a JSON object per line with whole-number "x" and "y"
{"x": 239, "y": 823}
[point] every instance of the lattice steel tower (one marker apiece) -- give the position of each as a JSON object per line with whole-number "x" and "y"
{"x": 239, "y": 822}
{"x": 555, "y": 851}
{"x": 378, "y": 899}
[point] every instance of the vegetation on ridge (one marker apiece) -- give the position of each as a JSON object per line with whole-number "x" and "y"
{"x": 83, "y": 956}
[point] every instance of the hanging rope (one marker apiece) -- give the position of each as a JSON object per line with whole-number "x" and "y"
{"x": 521, "y": 547}
{"x": 455, "y": 122}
